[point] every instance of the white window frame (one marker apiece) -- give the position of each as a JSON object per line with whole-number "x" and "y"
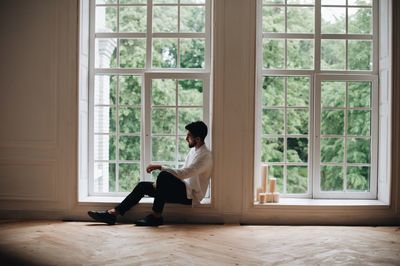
{"x": 146, "y": 74}
{"x": 316, "y": 76}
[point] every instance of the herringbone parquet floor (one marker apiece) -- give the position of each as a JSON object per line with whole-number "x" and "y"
{"x": 85, "y": 243}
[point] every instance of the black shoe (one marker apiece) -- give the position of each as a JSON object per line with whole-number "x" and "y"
{"x": 150, "y": 220}
{"x": 103, "y": 216}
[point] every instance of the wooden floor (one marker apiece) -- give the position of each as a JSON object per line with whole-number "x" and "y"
{"x": 84, "y": 243}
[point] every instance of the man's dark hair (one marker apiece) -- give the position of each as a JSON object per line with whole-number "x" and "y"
{"x": 198, "y": 129}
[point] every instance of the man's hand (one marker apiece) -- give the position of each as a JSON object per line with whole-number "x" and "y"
{"x": 153, "y": 167}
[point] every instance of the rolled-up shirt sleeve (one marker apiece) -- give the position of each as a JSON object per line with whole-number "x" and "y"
{"x": 199, "y": 165}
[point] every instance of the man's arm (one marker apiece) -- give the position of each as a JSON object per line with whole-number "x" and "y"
{"x": 200, "y": 164}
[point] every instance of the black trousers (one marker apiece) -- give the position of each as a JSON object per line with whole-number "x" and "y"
{"x": 168, "y": 189}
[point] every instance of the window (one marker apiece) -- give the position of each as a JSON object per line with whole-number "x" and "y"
{"x": 149, "y": 75}
{"x": 317, "y": 92}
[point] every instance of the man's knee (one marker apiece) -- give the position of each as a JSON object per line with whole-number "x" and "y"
{"x": 163, "y": 178}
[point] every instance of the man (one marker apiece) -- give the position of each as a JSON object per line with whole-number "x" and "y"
{"x": 187, "y": 185}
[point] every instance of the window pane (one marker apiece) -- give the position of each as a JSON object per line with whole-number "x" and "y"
{"x": 104, "y": 177}
{"x": 360, "y": 2}
{"x": 333, "y": 54}
{"x": 300, "y": 54}
{"x": 272, "y": 150}
{"x": 163, "y": 92}
{"x": 165, "y": 53}
{"x": 192, "y": 1}
{"x": 333, "y": 94}
{"x": 358, "y": 178}
{"x": 358, "y": 151}
{"x": 360, "y": 20}
{"x": 165, "y": 1}
{"x": 129, "y": 176}
{"x": 273, "y": 53}
{"x": 298, "y": 91}
{"x": 99, "y": 2}
{"x": 277, "y": 172}
{"x": 132, "y": 53}
{"x": 106, "y": 19}
{"x": 360, "y": 55}
{"x": 104, "y": 120}
{"x": 163, "y": 148}
{"x": 105, "y": 89}
{"x": 300, "y": 19}
{"x": 359, "y": 122}
{"x": 273, "y": 19}
{"x": 331, "y": 178}
{"x": 192, "y": 53}
{"x": 165, "y": 19}
{"x": 273, "y": 1}
{"x": 332, "y": 150}
{"x": 129, "y": 148}
{"x": 132, "y": 1}
{"x": 192, "y": 19}
{"x": 129, "y": 90}
{"x": 297, "y": 179}
{"x": 273, "y": 121}
{"x": 188, "y": 115}
{"x": 297, "y": 121}
{"x": 297, "y": 150}
{"x": 333, "y": 2}
{"x": 273, "y": 93}
{"x": 332, "y": 122}
{"x": 300, "y": 2}
{"x": 133, "y": 19}
{"x": 104, "y": 147}
{"x": 105, "y": 53}
{"x": 360, "y": 94}
{"x": 129, "y": 120}
{"x": 333, "y": 20}
{"x": 163, "y": 120}
{"x": 183, "y": 149}
{"x": 190, "y": 92}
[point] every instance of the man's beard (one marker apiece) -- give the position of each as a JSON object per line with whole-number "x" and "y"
{"x": 191, "y": 145}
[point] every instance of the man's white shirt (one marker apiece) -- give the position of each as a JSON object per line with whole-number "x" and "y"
{"x": 195, "y": 173}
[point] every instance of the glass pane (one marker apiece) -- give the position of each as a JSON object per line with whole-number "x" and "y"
{"x": 163, "y": 120}
{"x": 165, "y": 1}
{"x": 129, "y": 90}
{"x": 300, "y": 2}
{"x": 297, "y": 121}
{"x": 133, "y": 19}
{"x": 105, "y": 53}
{"x": 331, "y": 178}
{"x": 360, "y": 20}
{"x": 358, "y": 150}
{"x": 273, "y": 93}
{"x": 332, "y": 150}
{"x": 300, "y": 19}
{"x": 99, "y": 2}
{"x": 104, "y": 120}
{"x": 273, "y": 19}
{"x": 132, "y": 53}
{"x": 272, "y": 150}
{"x": 192, "y": 19}
{"x": 129, "y": 176}
{"x": 333, "y": 54}
{"x": 277, "y": 172}
{"x": 104, "y": 89}
{"x": 104, "y": 177}
{"x": 358, "y": 178}
{"x": 129, "y": 148}
{"x": 273, "y": 53}
{"x": 360, "y": 94}
{"x": 165, "y": 53}
{"x": 333, "y": 2}
{"x": 163, "y": 92}
{"x": 188, "y": 115}
{"x": 298, "y": 91}
{"x": 273, "y": 1}
{"x": 104, "y": 147}
{"x": 132, "y": 1}
{"x": 192, "y": 1}
{"x": 332, "y": 122}
{"x": 129, "y": 120}
{"x": 333, "y": 20}
{"x": 192, "y": 53}
{"x": 190, "y": 92}
{"x": 106, "y": 19}
{"x": 273, "y": 121}
{"x": 359, "y": 123}
{"x": 165, "y": 19}
{"x": 300, "y": 54}
{"x": 360, "y": 55}
{"x": 297, "y": 150}
{"x": 297, "y": 179}
{"x": 163, "y": 148}
{"x": 360, "y": 2}
{"x": 333, "y": 94}
{"x": 183, "y": 148}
